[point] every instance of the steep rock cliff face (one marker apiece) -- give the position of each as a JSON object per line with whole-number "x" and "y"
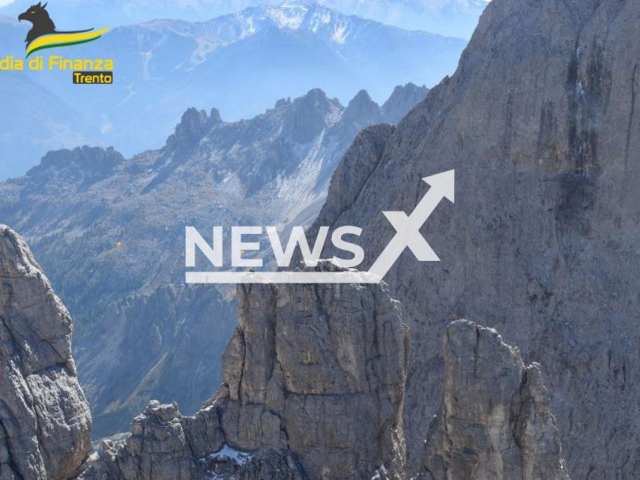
{"x": 314, "y": 386}
{"x": 496, "y": 420}
{"x": 540, "y": 123}
{"x": 45, "y": 424}
{"x": 320, "y": 369}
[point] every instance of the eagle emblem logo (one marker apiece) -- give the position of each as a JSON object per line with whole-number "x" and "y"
{"x": 44, "y": 34}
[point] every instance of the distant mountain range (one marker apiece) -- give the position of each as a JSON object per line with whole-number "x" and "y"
{"x": 447, "y": 17}
{"x": 242, "y": 63}
{"x": 110, "y": 231}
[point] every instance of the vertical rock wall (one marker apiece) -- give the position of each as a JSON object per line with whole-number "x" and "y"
{"x": 45, "y": 423}
{"x": 496, "y": 421}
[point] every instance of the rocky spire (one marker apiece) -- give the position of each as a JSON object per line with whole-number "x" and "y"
{"x": 402, "y": 100}
{"x": 362, "y": 111}
{"x": 45, "y": 423}
{"x": 192, "y": 127}
{"x": 310, "y": 115}
{"x": 321, "y": 370}
{"x": 496, "y": 421}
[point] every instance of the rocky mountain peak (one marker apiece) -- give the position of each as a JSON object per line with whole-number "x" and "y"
{"x": 496, "y": 420}
{"x": 346, "y": 370}
{"x": 282, "y": 102}
{"x": 311, "y": 114}
{"x": 191, "y": 129}
{"x": 315, "y": 97}
{"x": 301, "y": 14}
{"x": 82, "y": 165}
{"x": 362, "y": 97}
{"x": 363, "y": 110}
{"x": 402, "y": 100}
{"x": 214, "y": 117}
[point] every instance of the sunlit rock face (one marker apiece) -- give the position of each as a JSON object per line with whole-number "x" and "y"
{"x": 540, "y": 124}
{"x": 319, "y": 370}
{"x": 45, "y": 423}
{"x": 496, "y": 421}
{"x": 313, "y": 387}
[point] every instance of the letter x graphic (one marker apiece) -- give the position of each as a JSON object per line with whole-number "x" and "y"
{"x": 408, "y": 227}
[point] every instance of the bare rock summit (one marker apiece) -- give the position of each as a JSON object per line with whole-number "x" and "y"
{"x": 496, "y": 421}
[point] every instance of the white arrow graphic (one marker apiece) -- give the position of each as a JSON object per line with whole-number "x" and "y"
{"x": 408, "y": 227}
{"x": 407, "y": 236}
